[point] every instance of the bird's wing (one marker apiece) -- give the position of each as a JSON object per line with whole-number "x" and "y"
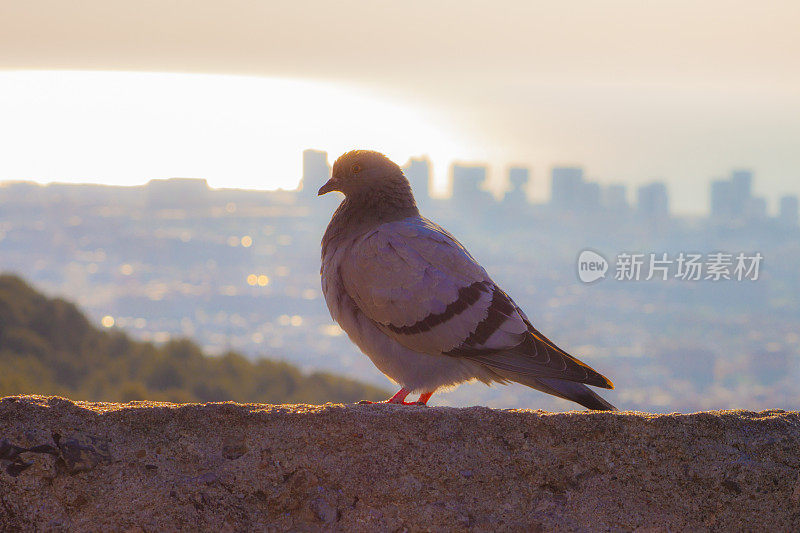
{"x": 423, "y": 289}
{"x": 417, "y": 283}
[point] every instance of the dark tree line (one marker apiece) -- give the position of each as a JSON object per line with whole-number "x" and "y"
{"x": 47, "y": 346}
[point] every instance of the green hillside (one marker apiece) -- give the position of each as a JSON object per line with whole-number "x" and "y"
{"x": 47, "y": 346}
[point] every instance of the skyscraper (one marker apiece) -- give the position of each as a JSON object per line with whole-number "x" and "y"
{"x": 721, "y": 192}
{"x": 518, "y": 177}
{"x": 652, "y": 201}
{"x": 732, "y": 200}
{"x": 566, "y": 187}
{"x": 316, "y": 171}
{"x": 467, "y": 181}
{"x": 516, "y": 199}
{"x": 741, "y": 192}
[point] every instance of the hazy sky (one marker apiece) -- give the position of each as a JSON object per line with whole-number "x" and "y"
{"x": 632, "y": 90}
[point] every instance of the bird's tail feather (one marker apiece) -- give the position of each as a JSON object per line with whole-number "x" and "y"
{"x": 569, "y": 390}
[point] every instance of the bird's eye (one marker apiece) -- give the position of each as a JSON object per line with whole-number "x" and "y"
{"x": 356, "y": 168}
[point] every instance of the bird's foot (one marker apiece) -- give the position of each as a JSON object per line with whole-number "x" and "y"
{"x": 405, "y": 403}
{"x": 400, "y": 399}
{"x": 367, "y": 402}
{"x": 424, "y": 397}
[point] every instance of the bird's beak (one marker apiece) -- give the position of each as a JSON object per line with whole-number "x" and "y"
{"x": 330, "y": 185}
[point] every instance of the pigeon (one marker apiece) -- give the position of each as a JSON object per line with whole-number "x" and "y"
{"x": 414, "y": 300}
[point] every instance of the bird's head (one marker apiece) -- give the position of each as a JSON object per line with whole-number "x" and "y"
{"x": 363, "y": 171}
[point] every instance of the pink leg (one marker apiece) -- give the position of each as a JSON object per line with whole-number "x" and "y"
{"x": 400, "y": 398}
{"x": 423, "y": 398}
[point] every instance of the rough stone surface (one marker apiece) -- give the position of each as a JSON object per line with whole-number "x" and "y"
{"x": 147, "y": 466}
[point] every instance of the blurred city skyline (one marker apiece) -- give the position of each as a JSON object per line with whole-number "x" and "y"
{"x": 126, "y": 128}
{"x": 679, "y": 92}
{"x": 730, "y": 195}
{"x": 731, "y": 198}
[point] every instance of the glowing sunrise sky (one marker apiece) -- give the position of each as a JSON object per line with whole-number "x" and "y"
{"x": 633, "y": 91}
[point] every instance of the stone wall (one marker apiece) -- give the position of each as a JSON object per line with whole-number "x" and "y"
{"x": 147, "y": 466}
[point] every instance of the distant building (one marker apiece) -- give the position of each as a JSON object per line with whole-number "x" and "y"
{"x": 177, "y": 193}
{"x": 741, "y": 192}
{"x": 316, "y": 171}
{"x": 732, "y": 200}
{"x": 652, "y": 201}
{"x": 570, "y": 192}
{"x": 615, "y": 198}
{"x": 418, "y": 172}
{"x": 566, "y": 185}
{"x": 721, "y": 192}
{"x": 518, "y": 177}
{"x": 517, "y": 198}
{"x": 788, "y": 211}
{"x": 467, "y": 182}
